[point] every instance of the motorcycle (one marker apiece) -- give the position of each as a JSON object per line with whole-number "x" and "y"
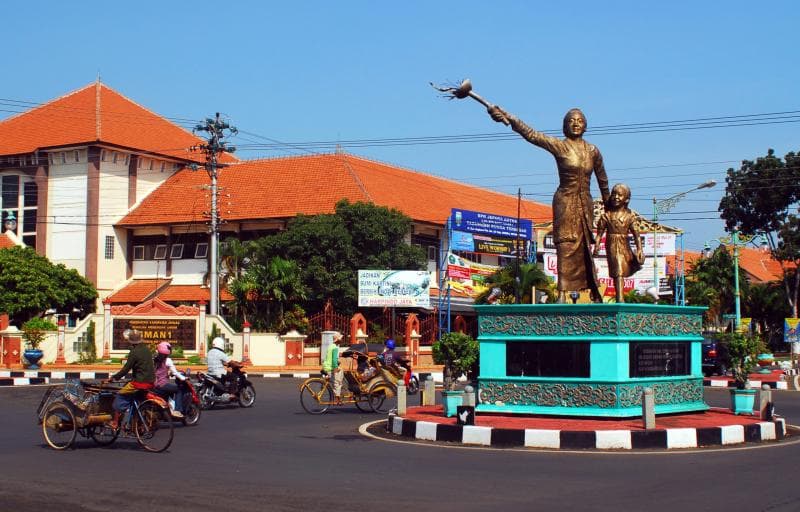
{"x": 212, "y": 391}
{"x": 191, "y": 400}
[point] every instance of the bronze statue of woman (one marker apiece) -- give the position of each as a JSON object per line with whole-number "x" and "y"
{"x": 572, "y": 203}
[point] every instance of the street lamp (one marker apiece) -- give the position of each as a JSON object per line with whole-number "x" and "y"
{"x": 665, "y": 206}
{"x": 736, "y": 240}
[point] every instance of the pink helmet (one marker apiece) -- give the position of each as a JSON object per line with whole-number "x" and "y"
{"x": 164, "y": 348}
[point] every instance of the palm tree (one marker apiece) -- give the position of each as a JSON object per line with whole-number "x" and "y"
{"x": 710, "y": 283}
{"x": 530, "y": 276}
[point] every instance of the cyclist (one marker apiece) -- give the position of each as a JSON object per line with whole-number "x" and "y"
{"x": 164, "y": 369}
{"x": 140, "y": 362}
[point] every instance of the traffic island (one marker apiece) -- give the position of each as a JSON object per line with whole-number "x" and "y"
{"x": 712, "y": 428}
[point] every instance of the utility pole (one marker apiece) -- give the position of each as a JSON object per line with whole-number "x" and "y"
{"x": 212, "y": 148}
{"x": 517, "y": 280}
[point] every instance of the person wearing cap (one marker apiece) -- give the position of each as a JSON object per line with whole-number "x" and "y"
{"x": 164, "y": 369}
{"x": 140, "y": 364}
{"x": 330, "y": 366}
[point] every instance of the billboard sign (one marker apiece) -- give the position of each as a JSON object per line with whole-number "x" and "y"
{"x": 178, "y": 332}
{"x": 467, "y": 277}
{"x": 640, "y": 281}
{"x": 490, "y": 224}
{"x": 486, "y": 244}
{"x": 791, "y": 333}
{"x": 394, "y": 288}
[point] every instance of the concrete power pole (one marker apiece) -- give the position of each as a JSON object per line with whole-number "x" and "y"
{"x": 212, "y": 148}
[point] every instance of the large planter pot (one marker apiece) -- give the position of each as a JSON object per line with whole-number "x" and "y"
{"x": 451, "y": 400}
{"x": 743, "y": 401}
{"x": 33, "y": 355}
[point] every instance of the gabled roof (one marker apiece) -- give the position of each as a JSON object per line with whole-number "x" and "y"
{"x": 284, "y": 187}
{"x": 96, "y": 114}
{"x": 140, "y": 290}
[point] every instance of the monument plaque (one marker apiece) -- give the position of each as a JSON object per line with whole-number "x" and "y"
{"x": 659, "y": 359}
{"x": 179, "y": 333}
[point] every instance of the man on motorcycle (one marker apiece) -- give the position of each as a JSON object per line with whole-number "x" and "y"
{"x": 164, "y": 369}
{"x": 217, "y": 360}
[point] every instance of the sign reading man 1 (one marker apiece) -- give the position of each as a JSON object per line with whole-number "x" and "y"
{"x": 179, "y": 333}
{"x": 394, "y": 288}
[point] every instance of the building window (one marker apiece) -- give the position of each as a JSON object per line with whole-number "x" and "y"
{"x": 176, "y": 252}
{"x": 161, "y": 252}
{"x": 433, "y": 253}
{"x": 201, "y": 250}
{"x": 104, "y": 155}
{"x": 19, "y": 200}
{"x": 76, "y": 155}
{"x": 138, "y": 252}
{"x": 109, "y": 247}
{"x": 63, "y": 157}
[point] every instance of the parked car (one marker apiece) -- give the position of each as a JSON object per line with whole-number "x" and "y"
{"x": 714, "y": 360}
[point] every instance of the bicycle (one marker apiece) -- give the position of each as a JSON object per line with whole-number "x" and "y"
{"x": 64, "y": 414}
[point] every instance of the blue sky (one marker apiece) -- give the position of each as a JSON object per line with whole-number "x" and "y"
{"x": 296, "y": 72}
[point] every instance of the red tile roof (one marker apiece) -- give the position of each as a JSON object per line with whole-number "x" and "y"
{"x": 191, "y": 293}
{"x": 140, "y": 290}
{"x": 758, "y": 264}
{"x": 95, "y": 114}
{"x": 284, "y": 187}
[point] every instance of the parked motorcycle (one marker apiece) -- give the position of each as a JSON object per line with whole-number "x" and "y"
{"x": 212, "y": 391}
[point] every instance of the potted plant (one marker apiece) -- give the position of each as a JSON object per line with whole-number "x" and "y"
{"x": 34, "y": 332}
{"x": 457, "y": 352}
{"x": 743, "y": 350}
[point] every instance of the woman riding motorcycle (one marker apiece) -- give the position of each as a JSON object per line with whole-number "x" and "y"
{"x": 165, "y": 368}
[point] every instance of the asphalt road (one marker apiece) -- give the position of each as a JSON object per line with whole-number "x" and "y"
{"x": 276, "y": 457}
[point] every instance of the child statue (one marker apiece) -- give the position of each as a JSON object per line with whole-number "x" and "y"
{"x": 617, "y": 222}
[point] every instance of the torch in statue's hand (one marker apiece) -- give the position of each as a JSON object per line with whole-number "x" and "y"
{"x": 465, "y": 90}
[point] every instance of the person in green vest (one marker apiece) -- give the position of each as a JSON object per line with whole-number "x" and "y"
{"x": 330, "y": 367}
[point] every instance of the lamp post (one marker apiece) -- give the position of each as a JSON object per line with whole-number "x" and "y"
{"x": 665, "y": 206}
{"x": 736, "y": 240}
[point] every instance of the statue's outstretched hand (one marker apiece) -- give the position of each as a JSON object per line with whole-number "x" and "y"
{"x": 498, "y": 114}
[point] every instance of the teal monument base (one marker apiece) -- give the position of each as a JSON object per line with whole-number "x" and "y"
{"x": 589, "y": 359}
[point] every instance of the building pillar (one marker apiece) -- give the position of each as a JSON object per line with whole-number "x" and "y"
{"x": 62, "y": 335}
{"x": 246, "y": 342}
{"x": 201, "y": 330}
{"x": 107, "y": 330}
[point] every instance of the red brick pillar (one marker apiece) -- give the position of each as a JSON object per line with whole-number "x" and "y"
{"x": 62, "y": 335}
{"x": 357, "y": 322}
{"x": 412, "y": 338}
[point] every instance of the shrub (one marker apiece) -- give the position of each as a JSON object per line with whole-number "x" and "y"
{"x": 457, "y": 352}
{"x": 35, "y": 330}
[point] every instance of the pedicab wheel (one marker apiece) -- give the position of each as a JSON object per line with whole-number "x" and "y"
{"x": 378, "y": 395}
{"x": 103, "y": 435}
{"x": 58, "y": 426}
{"x": 153, "y": 426}
{"x": 312, "y": 395}
{"x": 191, "y": 414}
{"x": 362, "y": 403}
{"x": 247, "y": 396}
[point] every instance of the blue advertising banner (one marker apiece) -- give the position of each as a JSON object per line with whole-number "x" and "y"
{"x": 790, "y": 330}
{"x": 490, "y": 224}
{"x": 462, "y": 241}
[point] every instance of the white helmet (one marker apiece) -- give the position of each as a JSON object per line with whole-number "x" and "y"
{"x": 218, "y": 342}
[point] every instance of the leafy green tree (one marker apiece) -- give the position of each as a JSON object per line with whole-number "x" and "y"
{"x": 30, "y": 284}
{"x": 329, "y": 249}
{"x": 458, "y": 352}
{"x": 505, "y": 279}
{"x": 760, "y": 197}
{"x": 710, "y": 283}
{"x": 766, "y": 304}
